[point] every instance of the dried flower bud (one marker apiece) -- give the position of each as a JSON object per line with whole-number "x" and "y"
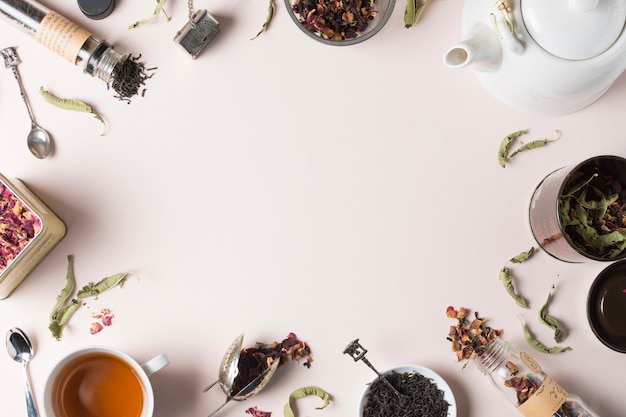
{"x": 451, "y": 313}
{"x": 95, "y": 328}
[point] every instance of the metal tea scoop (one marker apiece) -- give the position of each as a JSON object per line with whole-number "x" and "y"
{"x": 229, "y": 369}
{"x": 21, "y": 350}
{"x": 38, "y": 140}
{"x": 357, "y": 352}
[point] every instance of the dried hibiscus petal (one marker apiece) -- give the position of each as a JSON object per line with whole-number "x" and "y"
{"x": 255, "y": 412}
{"x": 255, "y": 360}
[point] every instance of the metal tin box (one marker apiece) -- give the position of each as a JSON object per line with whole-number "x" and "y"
{"x": 28, "y": 232}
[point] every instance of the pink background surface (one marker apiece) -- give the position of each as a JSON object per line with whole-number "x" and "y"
{"x": 281, "y": 185}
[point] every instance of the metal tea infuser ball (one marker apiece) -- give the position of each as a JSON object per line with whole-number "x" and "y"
{"x": 229, "y": 369}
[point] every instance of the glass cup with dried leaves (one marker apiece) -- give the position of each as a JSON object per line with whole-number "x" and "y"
{"x": 579, "y": 213}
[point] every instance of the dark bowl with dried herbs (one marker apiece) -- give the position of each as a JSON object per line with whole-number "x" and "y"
{"x": 419, "y": 391}
{"x": 340, "y": 22}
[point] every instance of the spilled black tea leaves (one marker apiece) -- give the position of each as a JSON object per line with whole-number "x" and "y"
{"x": 128, "y": 77}
{"x": 419, "y": 397}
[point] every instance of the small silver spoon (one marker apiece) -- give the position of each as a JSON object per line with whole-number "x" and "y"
{"x": 38, "y": 140}
{"x": 21, "y": 350}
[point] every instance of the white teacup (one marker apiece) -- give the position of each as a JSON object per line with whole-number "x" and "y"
{"x": 100, "y": 381}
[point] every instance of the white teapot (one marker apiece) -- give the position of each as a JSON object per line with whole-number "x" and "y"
{"x": 543, "y": 56}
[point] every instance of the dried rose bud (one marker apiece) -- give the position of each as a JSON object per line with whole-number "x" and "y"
{"x": 451, "y": 313}
{"x": 106, "y": 320}
{"x": 95, "y": 328}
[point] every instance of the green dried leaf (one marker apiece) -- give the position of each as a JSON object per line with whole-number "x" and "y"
{"x": 537, "y": 345}
{"x": 72, "y": 104}
{"x": 67, "y": 291}
{"x": 579, "y": 187}
{"x": 95, "y": 289}
{"x": 534, "y": 144}
{"x": 413, "y": 11}
{"x": 62, "y": 318}
{"x": 63, "y": 310}
{"x": 551, "y": 322}
{"x": 304, "y": 392}
{"x": 505, "y": 145}
{"x": 507, "y": 280}
{"x": 503, "y": 150}
{"x": 268, "y": 19}
{"x": 522, "y": 257}
{"x": 154, "y": 17}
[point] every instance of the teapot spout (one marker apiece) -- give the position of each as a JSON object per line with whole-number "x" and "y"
{"x": 481, "y": 51}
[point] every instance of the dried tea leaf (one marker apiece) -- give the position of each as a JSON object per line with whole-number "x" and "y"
{"x": 155, "y": 15}
{"x": 304, "y": 392}
{"x": 503, "y": 150}
{"x": 579, "y": 187}
{"x": 505, "y": 145}
{"x": 507, "y": 280}
{"x": 64, "y": 309}
{"x": 535, "y": 144}
{"x": 523, "y": 256}
{"x": 592, "y": 213}
{"x": 268, "y": 19}
{"x": 537, "y": 345}
{"x": 72, "y": 104}
{"x": 413, "y": 11}
{"x": 62, "y": 318}
{"x": 551, "y": 322}
{"x": 94, "y": 289}
{"x": 67, "y": 291}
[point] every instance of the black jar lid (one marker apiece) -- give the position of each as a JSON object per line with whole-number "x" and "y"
{"x": 96, "y": 9}
{"x": 606, "y": 306}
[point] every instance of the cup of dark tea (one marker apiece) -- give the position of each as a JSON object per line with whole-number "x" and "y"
{"x": 101, "y": 381}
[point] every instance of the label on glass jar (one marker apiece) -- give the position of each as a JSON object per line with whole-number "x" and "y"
{"x": 548, "y": 397}
{"x": 61, "y": 36}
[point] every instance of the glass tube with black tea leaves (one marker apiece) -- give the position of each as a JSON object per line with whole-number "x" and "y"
{"x": 124, "y": 73}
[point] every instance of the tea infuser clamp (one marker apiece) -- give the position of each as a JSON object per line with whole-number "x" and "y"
{"x": 199, "y": 30}
{"x": 229, "y": 369}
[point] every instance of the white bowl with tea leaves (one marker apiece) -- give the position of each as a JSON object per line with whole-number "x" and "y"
{"x": 417, "y": 391}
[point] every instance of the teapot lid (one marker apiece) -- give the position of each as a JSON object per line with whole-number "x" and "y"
{"x": 574, "y": 29}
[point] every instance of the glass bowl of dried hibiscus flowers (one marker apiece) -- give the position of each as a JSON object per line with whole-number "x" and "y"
{"x": 408, "y": 391}
{"x": 340, "y": 22}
